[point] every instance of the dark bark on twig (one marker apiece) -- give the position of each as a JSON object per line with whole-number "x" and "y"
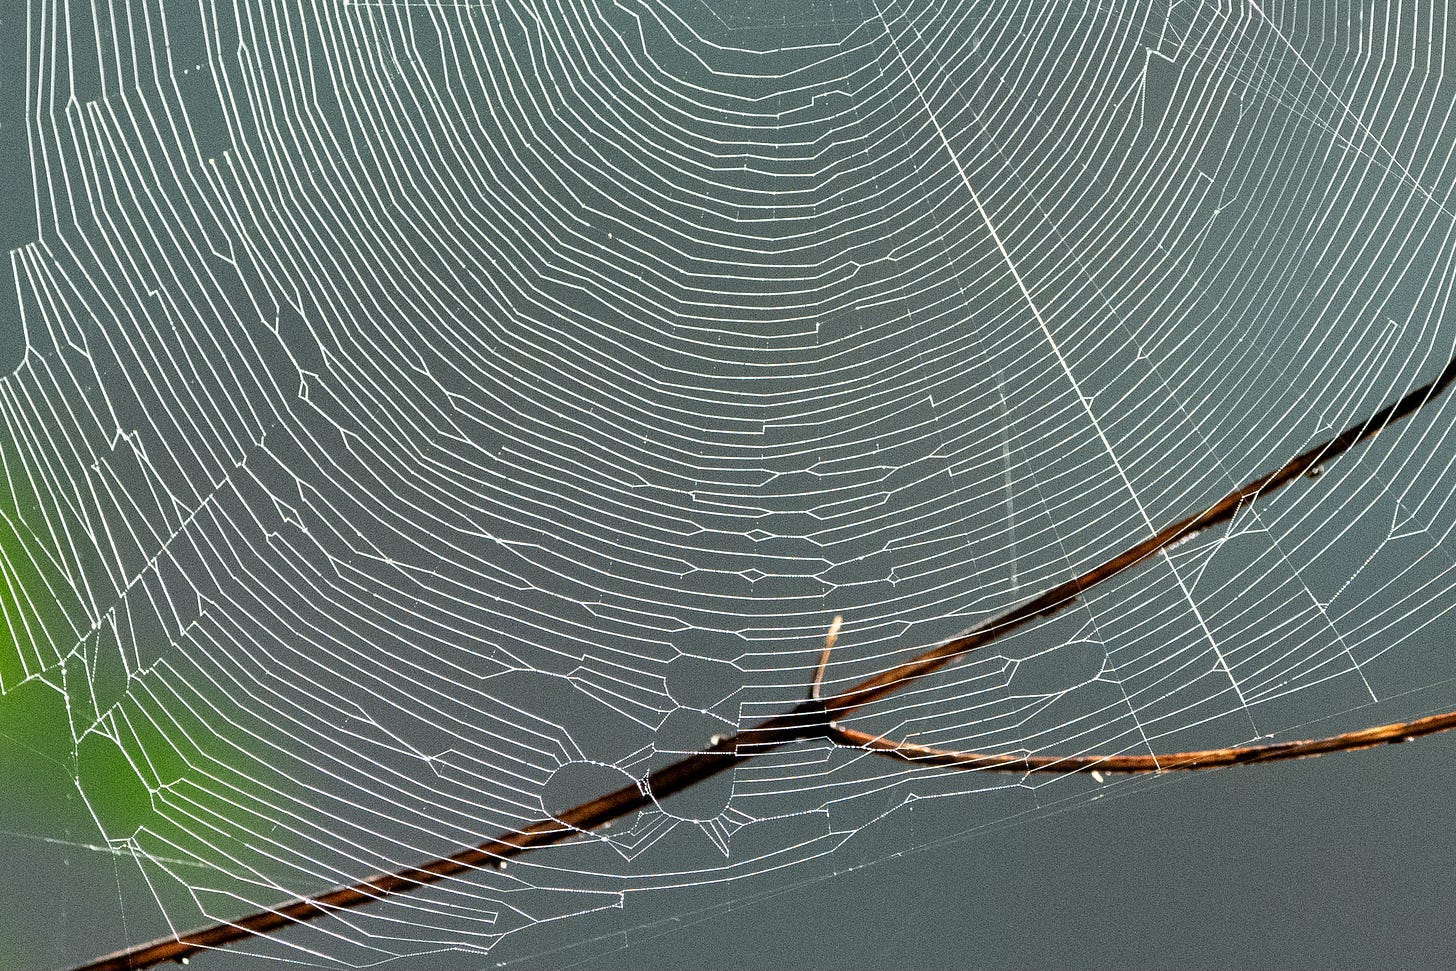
{"x": 814, "y": 718}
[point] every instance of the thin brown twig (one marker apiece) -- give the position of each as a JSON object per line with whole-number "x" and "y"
{"x": 1063, "y": 594}
{"x": 1151, "y": 764}
{"x": 812, "y": 718}
{"x": 1118, "y": 763}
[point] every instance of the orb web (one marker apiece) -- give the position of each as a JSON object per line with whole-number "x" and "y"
{"x": 423, "y": 417}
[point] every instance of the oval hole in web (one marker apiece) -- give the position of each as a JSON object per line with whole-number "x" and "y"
{"x": 573, "y": 783}
{"x": 682, "y": 732}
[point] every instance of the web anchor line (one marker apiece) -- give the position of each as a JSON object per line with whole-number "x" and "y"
{"x": 819, "y": 717}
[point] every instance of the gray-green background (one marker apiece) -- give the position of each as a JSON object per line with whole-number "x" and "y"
{"x": 407, "y": 405}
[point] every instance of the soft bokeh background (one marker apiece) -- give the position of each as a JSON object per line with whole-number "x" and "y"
{"x": 415, "y": 414}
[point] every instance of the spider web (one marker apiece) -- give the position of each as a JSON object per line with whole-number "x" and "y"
{"x": 424, "y": 416}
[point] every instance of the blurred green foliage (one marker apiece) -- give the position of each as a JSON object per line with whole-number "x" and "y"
{"x": 116, "y": 763}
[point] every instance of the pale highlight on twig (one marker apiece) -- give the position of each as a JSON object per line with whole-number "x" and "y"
{"x": 829, "y": 639}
